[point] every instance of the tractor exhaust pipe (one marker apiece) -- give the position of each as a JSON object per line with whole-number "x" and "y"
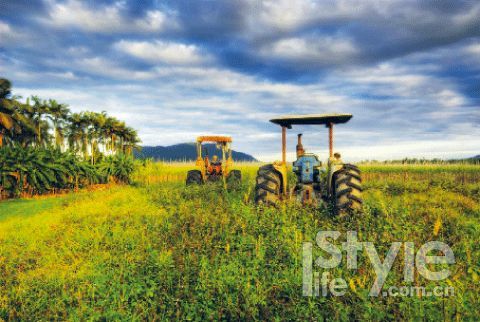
{"x": 300, "y": 150}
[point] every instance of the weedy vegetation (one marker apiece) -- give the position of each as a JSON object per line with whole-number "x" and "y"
{"x": 158, "y": 250}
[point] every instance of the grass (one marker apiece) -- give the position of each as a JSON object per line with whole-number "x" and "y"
{"x": 23, "y": 208}
{"x": 161, "y": 251}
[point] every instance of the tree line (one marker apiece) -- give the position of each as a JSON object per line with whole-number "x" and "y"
{"x": 42, "y": 123}
{"x": 46, "y": 148}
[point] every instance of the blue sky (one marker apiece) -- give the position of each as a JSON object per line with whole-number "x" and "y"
{"x": 409, "y": 71}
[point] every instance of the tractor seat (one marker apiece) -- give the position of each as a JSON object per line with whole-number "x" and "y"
{"x": 215, "y": 167}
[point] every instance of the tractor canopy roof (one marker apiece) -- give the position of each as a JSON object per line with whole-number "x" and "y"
{"x": 214, "y": 138}
{"x": 311, "y": 119}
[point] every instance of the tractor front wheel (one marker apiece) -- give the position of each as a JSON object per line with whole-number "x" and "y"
{"x": 347, "y": 190}
{"x": 194, "y": 177}
{"x": 268, "y": 186}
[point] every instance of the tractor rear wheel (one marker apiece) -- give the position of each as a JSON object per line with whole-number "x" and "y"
{"x": 347, "y": 190}
{"x": 268, "y": 185}
{"x": 194, "y": 177}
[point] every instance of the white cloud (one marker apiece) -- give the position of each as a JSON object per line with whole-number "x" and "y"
{"x": 64, "y": 75}
{"x": 107, "y": 19}
{"x": 104, "y": 67}
{"x": 472, "y": 53}
{"x": 403, "y": 83}
{"x": 4, "y": 29}
{"x": 95, "y": 66}
{"x": 162, "y": 52}
{"x": 287, "y": 15}
{"x": 316, "y": 50}
{"x": 154, "y": 20}
{"x": 78, "y": 51}
{"x": 474, "y": 49}
{"x": 8, "y": 35}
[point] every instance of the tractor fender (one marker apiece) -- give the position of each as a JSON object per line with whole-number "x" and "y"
{"x": 334, "y": 165}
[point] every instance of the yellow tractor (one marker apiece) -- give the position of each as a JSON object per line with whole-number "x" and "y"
{"x": 214, "y": 169}
{"x": 335, "y": 182}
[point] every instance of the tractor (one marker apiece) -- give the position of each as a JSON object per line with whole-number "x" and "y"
{"x": 214, "y": 169}
{"x": 335, "y": 183}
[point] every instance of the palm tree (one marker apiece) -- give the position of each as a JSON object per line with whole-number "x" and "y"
{"x": 7, "y": 122}
{"x": 112, "y": 129}
{"x": 40, "y": 108}
{"x": 5, "y": 88}
{"x": 130, "y": 140}
{"x": 58, "y": 115}
{"x": 101, "y": 122}
{"x": 6, "y": 119}
{"x": 75, "y": 132}
{"x": 96, "y": 121}
{"x": 12, "y": 114}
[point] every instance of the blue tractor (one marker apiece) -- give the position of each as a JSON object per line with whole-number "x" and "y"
{"x": 335, "y": 182}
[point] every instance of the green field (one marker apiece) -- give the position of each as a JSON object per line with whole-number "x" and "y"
{"x": 157, "y": 250}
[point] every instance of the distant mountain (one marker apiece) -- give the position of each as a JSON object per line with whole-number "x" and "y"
{"x": 186, "y": 151}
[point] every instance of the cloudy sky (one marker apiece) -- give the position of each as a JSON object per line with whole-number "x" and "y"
{"x": 409, "y": 71}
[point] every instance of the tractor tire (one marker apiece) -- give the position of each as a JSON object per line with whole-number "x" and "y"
{"x": 268, "y": 186}
{"x": 234, "y": 179}
{"x": 194, "y": 177}
{"x": 347, "y": 190}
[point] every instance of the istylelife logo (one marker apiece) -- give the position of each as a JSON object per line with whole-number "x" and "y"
{"x": 316, "y": 284}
